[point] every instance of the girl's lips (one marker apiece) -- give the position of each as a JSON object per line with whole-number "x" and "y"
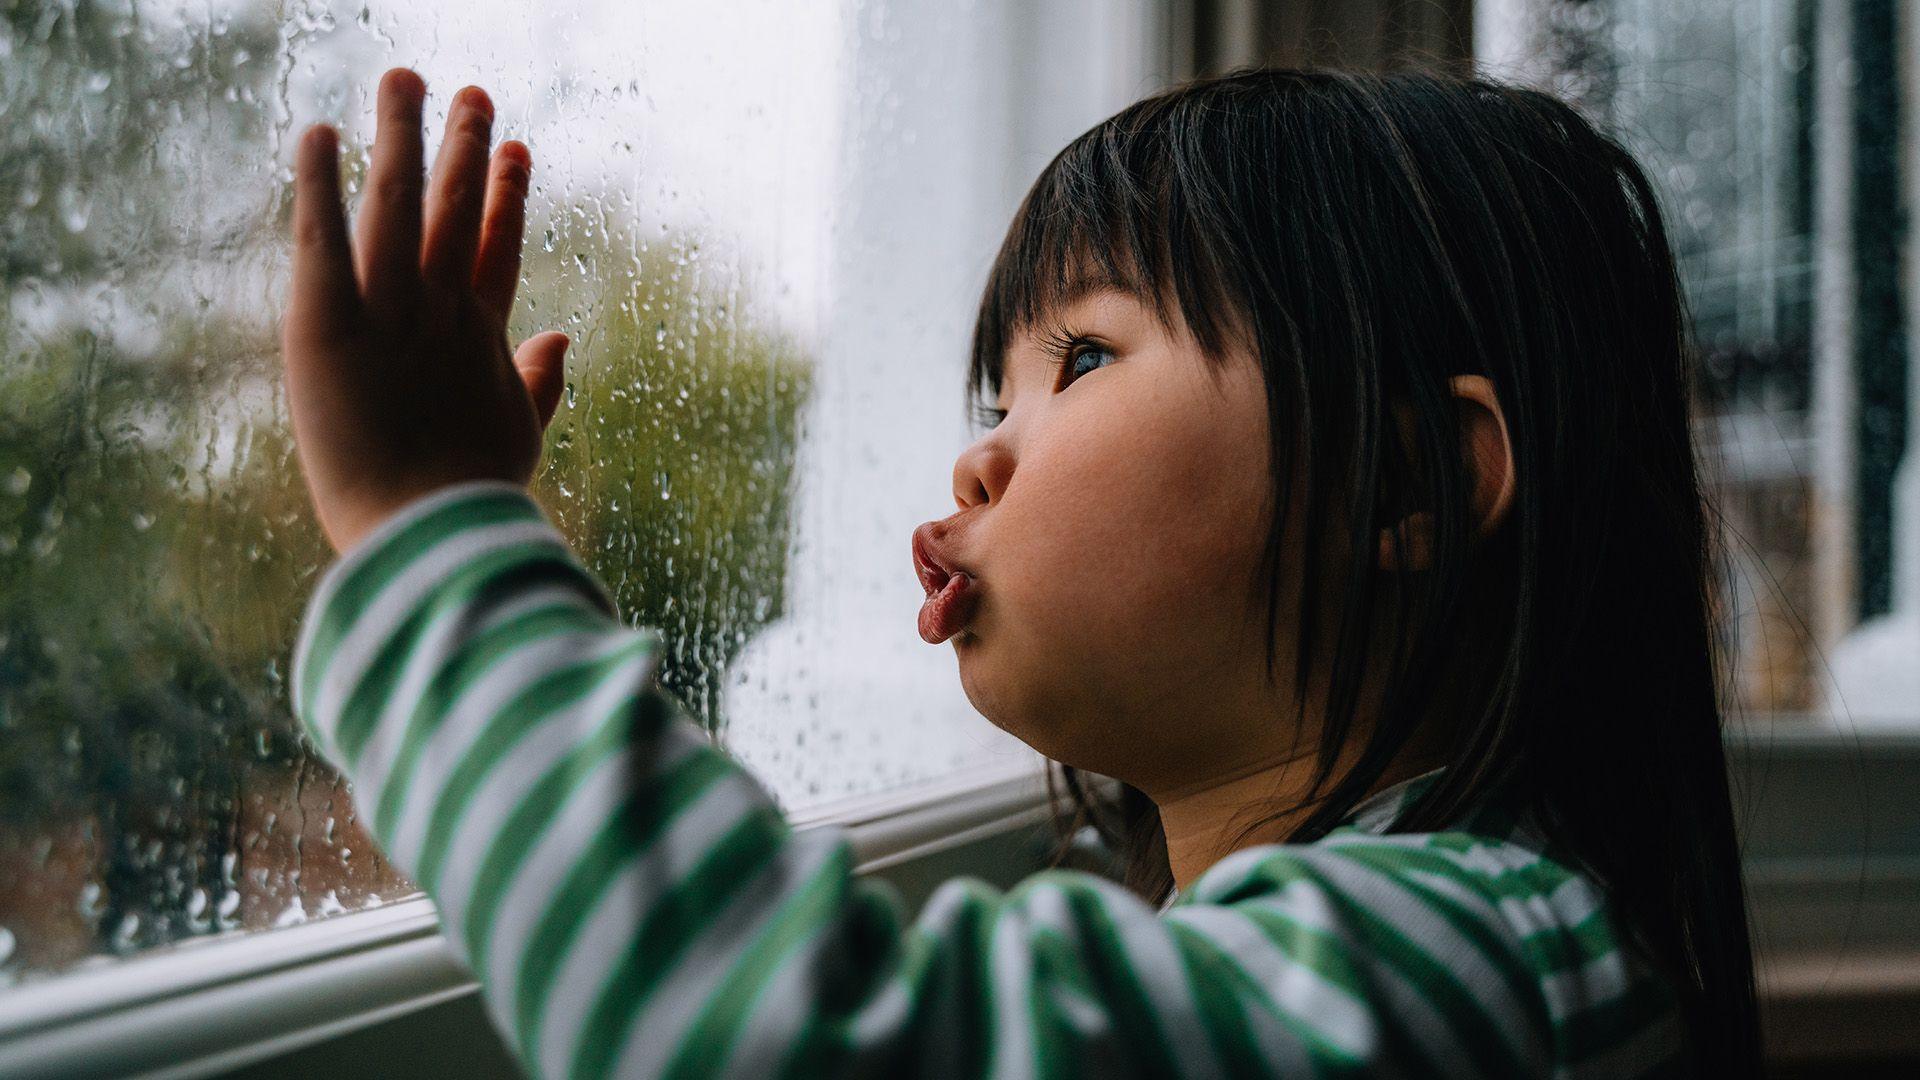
{"x": 952, "y": 594}
{"x": 948, "y": 611}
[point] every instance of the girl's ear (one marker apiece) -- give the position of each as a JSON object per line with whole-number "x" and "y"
{"x": 1488, "y": 449}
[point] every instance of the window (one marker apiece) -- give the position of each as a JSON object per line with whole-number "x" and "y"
{"x": 1773, "y": 130}
{"x": 763, "y": 224}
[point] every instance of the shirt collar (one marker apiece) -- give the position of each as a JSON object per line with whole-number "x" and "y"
{"x": 1374, "y": 814}
{"x": 1377, "y": 812}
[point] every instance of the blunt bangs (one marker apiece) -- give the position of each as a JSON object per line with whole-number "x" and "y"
{"x": 1112, "y": 211}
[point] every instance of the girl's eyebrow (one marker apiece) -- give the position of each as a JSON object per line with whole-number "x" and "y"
{"x": 1078, "y": 289}
{"x": 1086, "y": 285}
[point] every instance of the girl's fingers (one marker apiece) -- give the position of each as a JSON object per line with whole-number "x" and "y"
{"x": 497, "y": 274}
{"x": 388, "y": 234}
{"x": 456, "y": 191}
{"x": 324, "y": 296}
{"x": 542, "y": 363}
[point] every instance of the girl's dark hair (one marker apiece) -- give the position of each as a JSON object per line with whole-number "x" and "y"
{"x": 1366, "y": 237}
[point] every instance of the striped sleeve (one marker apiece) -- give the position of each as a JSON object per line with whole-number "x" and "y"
{"x": 634, "y": 905}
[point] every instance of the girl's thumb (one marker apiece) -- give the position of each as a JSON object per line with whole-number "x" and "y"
{"x": 542, "y": 363}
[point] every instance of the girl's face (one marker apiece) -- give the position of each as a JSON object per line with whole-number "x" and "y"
{"x": 1111, "y": 526}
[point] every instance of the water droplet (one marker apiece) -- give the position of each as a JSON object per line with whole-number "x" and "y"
{"x": 19, "y": 480}
{"x": 320, "y": 21}
{"x": 75, "y": 209}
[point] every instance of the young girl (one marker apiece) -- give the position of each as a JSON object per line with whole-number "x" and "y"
{"x": 1338, "y": 499}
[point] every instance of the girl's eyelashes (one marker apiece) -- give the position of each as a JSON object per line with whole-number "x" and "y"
{"x": 1076, "y": 355}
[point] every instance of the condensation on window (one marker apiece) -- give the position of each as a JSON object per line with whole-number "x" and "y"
{"x": 763, "y": 225}
{"x": 1771, "y": 129}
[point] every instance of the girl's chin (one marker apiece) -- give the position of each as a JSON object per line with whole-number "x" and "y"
{"x": 1016, "y": 714}
{"x": 982, "y": 682}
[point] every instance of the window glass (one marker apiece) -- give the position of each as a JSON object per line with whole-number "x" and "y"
{"x": 1773, "y": 130}
{"x": 762, "y": 223}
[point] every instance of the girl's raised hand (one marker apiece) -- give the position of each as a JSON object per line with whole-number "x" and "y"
{"x": 399, "y": 375}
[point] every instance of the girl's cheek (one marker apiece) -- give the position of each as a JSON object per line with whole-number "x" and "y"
{"x": 1134, "y": 515}
{"x": 1119, "y": 566}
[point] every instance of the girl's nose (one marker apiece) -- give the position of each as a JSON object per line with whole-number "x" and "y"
{"x": 981, "y": 474}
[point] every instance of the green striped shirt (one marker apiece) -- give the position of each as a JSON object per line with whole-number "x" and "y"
{"x": 634, "y": 905}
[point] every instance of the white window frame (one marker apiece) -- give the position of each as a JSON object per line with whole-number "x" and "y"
{"x": 207, "y": 1006}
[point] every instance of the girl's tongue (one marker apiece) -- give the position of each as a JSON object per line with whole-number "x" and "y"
{"x": 947, "y": 612}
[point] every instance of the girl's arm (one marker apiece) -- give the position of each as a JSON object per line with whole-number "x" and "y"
{"x": 635, "y": 906}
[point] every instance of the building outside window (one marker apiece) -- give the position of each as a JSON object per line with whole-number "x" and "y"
{"x": 1777, "y": 131}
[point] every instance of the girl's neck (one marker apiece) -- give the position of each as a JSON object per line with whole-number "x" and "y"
{"x": 1207, "y": 822}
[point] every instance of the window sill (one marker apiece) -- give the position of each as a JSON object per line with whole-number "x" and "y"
{"x": 208, "y": 1006}
{"x": 1826, "y": 1009}
{"x": 1833, "y": 878}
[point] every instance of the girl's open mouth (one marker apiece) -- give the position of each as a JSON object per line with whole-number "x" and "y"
{"x": 952, "y": 595}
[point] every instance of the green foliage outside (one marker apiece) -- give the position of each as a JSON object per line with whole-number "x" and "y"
{"x": 670, "y": 465}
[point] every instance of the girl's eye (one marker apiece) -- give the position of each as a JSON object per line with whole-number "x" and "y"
{"x": 1075, "y": 355}
{"x": 988, "y": 417}
{"x": 1087, "y": 358}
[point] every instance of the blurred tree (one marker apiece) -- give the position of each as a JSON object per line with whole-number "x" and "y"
{"x": 85, "y": 89}
{"x": 118, "y": 721}
{"x": 670, "y": 465}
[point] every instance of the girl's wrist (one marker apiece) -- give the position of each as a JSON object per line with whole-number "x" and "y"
{"x": 355, "y": 522}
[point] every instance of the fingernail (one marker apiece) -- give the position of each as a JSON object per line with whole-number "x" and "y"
{"x": 406, "y": 81}
{"x": 476, "y": 98}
